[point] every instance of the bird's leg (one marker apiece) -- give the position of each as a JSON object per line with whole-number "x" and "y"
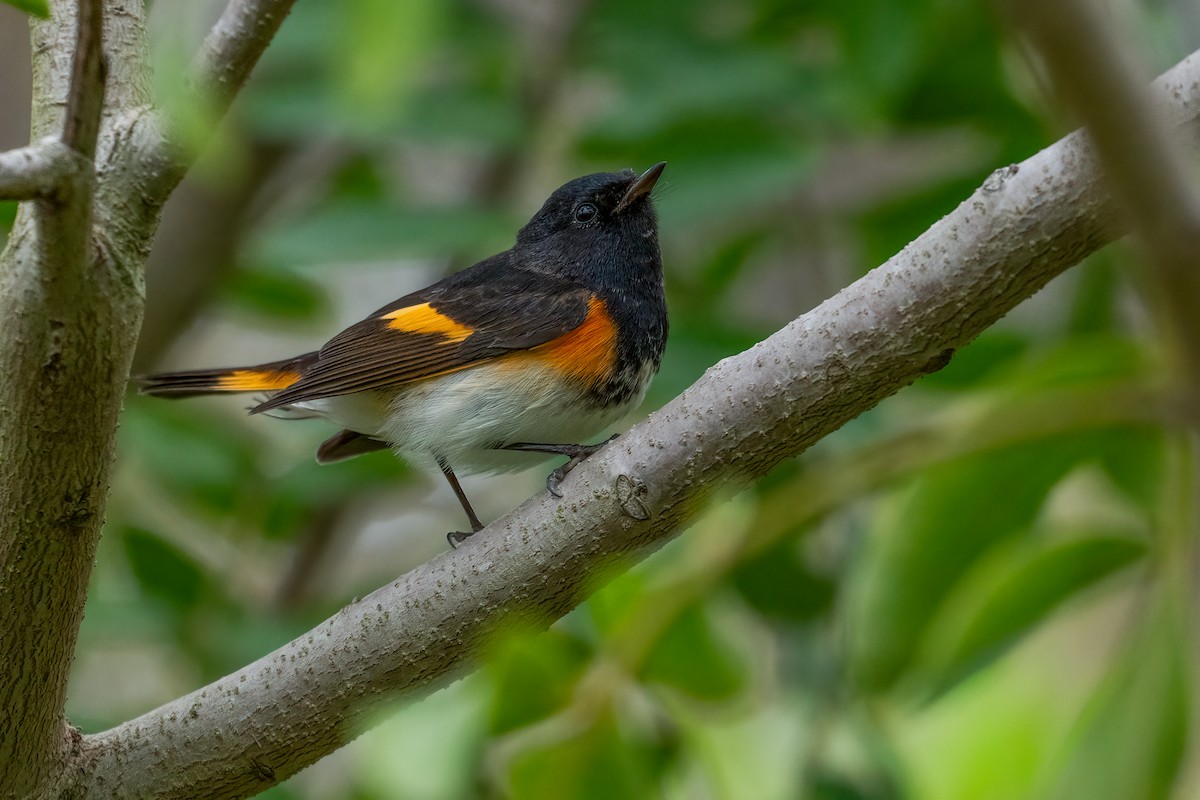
{"x": 574, "y": 452}
{"x": 455, "y": 538}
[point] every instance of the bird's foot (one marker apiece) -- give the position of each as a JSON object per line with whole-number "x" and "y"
{"x": 577, "y": 453}
{"x": 455, "y": 538}
{"x": 556, "y": 476}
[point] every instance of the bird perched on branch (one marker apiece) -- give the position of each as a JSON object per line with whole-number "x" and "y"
{"x": 530, "y": 351}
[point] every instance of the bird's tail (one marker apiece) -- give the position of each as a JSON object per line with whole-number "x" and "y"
{"x": 261, "y": 378}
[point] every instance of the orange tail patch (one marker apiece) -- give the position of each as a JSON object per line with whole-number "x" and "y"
{"x": 256, "y": 380}
{"x": 262, "y": 378}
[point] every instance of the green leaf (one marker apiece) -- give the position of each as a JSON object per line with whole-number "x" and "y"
{"x": 827, "y": 783}
{"x": 1094, "y": 308}
{"x": 1081, "y": 360}
{"x": 669, "y": 81}
{"x": 352, "y": 229}
{"x": 599, "y": 762}
{"x": 692, "y": 656}
{"x": 381, "y": 48}
{"x": 612, "y": 608}
{"x": 162, "y": 569}
{"x": 1025, "y": 596}
{"x": 452, "y": 114}
{"x": 282, "y": 295}
{"x": 1134, "y": 457}
{"x": 38, "y": 8}
{"x": 534, "y": 676}
{"x": 780, "y": 585}
{"x": 193, "y": 452}
{"x": 1132, "y": 739}
{"x": 950, "y": 517}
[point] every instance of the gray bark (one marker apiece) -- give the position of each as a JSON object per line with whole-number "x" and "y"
{"x": 65, "y": 311}
{"x": 70, "y": 309}
{"x": 1100, "y": 79}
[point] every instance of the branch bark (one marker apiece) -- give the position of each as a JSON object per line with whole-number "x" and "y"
{"x": 1026, "y": 224}
{"x": 70, "y": 307}
{"x": 1098, "y": 78}
{"x": 85, "y": 94}
{"x": 42, "y": 170}
{"x": 220, "y": 69}
{"x": 53, "y": 402}
{"x": 233, "y": 47}
{"x": 36, "y": 171}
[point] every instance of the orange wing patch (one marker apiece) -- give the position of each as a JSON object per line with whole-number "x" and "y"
{"x": 424, "y": 318}
{"x": 256, "y": 380}
{"x": 588, "y": 353}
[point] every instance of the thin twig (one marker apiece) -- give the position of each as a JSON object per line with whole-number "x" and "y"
{"x": 40, "y": 170}
{"x": 1094, "y": 71}
{"x": 85, "y": 100}
{"x": 35, "y": 171}
{"x": 220, "y": 69}
{"x": 233, "y": 47}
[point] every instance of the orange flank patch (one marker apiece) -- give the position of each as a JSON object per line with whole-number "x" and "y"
{"x": 256, "y": 380}
{"x": 588, "y": 353}
{"x": 424, "y": 318}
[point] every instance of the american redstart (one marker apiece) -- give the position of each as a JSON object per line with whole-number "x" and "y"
{"x": 529, "y": 351}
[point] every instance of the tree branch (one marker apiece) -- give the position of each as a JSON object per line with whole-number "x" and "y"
{"x": 220, "y": 69}
{"x": 233, "y": 47}
{"x": 42, "y": 170}
{"x": 60, "y": 397}
{"x": 85, "y": 98}
{"x": 65, "y": 225}
{"x": 1096, "y": 75}
{"x": 36, "y": 171}
{"x": 1025, "y": 225}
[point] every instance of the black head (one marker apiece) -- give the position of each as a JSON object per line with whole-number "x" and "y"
{"x": 589, "y": 222}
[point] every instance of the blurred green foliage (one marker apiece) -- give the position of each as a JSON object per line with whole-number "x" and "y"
{"x": 973, "y": 591}
{"x": 37, "y": 8}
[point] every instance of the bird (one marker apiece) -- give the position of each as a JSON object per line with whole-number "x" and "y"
{"x": 530, "y": 351}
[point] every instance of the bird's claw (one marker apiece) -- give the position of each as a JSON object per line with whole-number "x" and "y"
{"x": 578, "y": 454}
{"x": 555, "y": 478}
{"x": 455, "y": 538}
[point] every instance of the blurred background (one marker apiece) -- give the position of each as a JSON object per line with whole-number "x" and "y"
{"x": 981, "y": 589}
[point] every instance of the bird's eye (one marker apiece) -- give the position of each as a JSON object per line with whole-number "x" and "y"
{"x": 585, "y": 212}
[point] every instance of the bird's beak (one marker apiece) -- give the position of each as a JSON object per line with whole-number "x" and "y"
{"x": 641, "y": 186}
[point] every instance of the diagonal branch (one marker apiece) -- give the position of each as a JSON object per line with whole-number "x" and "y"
{"x": 220, "y": 69}
{"x": 1096, "y": 75}
{"x": 235, "y": 737}
{"x": 233, "y": 47}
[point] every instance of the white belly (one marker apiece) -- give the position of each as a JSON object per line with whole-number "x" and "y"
{"x": 462, "y": 416}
